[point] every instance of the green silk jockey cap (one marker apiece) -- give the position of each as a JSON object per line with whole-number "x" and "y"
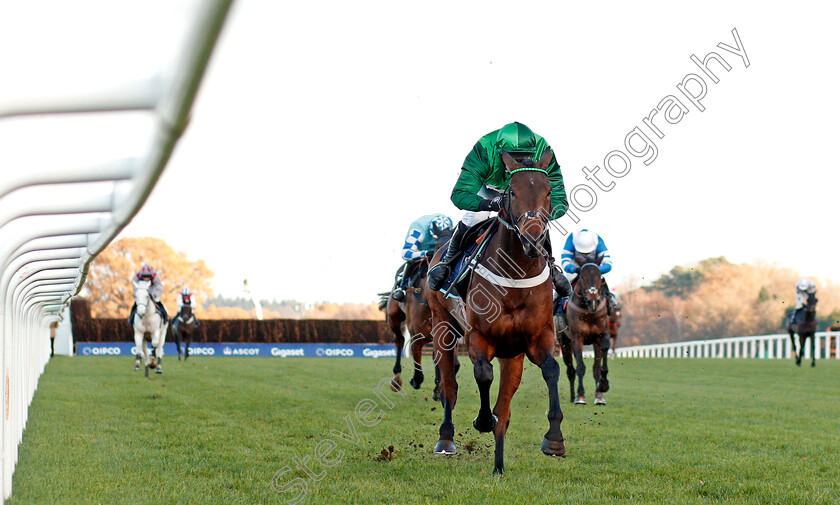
{"x": 516, "y": 138}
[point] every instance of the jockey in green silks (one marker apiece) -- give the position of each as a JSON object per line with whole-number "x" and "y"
{"x": 480, "y": 192}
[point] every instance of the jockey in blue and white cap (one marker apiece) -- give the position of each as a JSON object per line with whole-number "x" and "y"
{"x": 420, "y": 241}
{"x": 583, "y": 247}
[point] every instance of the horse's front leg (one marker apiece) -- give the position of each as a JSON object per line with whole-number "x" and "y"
{"x": 599, "y": 370}
{"x": 395, "y": 324}
{"x": 445, "y": 340}
{"x": 138, "y": 348}
{"x": 176, "y": 330}
{"x": 481, "y": 352}
{"x": 541, "y": 353}
{"x": 509, "y": 380}
{"x": 813, "y": 349}
{"x": 417, "y": 343}
{"x": 577, "y": 345}
{"x": 566, "y": 349}
{"x": 157, "y": 346}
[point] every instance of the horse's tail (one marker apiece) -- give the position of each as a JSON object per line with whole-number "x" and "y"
{"x": 383, "y": 299}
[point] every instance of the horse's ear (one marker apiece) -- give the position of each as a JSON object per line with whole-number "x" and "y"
{"x": 545, "y": 159}
{"x": 510, "y": 163}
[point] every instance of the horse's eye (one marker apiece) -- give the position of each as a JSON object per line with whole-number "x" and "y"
{"x": 512, "y": 194}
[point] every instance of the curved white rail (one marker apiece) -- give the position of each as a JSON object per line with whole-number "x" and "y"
{"x": 58, "y": 212}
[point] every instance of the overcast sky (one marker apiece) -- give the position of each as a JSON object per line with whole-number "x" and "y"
{"x": 322, "y": 129}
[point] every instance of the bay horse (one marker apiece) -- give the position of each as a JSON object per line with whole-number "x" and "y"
{"x": 504, "y": 316}
{"x": 586, "y": 314}
{"x": 413, "y": 315}
{"x": 183, "y": 326}
{"x": 148, "y": 325}
{"x": 804, "y": 324}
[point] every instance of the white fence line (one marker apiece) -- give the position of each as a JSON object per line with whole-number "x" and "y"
{"x": 762, "y": 346}
{"x": 58, "y": 213}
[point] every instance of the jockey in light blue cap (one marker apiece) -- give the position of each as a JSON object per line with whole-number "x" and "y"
{"x": 583, "y": 247}
{"x": 423, "y": 236}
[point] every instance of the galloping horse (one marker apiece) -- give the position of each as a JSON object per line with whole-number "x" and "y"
{"x": 413, "y": 314}
{"x": 183, "y": 326}
{"x": 506, "y": 318}
{"x": 586, "y": 314}
{"x": 148, "y": 324}
{"x": 805, "y": 325}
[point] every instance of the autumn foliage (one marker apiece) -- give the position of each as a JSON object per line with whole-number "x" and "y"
{"x": 109, "y": 281}
{"x": 718, "y": 299}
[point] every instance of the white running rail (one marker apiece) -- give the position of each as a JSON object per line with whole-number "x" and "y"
{"x": 81, "y": 147}
{"x": 762, "y": 346}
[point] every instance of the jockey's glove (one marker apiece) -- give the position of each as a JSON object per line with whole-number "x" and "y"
{"x": 494, "y": 205}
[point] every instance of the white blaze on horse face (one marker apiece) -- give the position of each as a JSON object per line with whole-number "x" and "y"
{"x": 141, "y": 298}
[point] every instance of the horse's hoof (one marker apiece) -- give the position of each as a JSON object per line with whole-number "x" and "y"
{"x": 396, "y": 383}
{"x": 415, "y": 383}
{"x": 580, "y": 400}
{"x": 158, "y": 370}
{"x": 484, "y": 426}
{"x": 553, "y": 448}
{"x": 436, "y": 394}
{"x": 499, "y": 470}
{"x": 813, "y": 363}
{"x": 599, "y": 400}
{"x": 179, "y": 357}
{"x": 445, "y": 447}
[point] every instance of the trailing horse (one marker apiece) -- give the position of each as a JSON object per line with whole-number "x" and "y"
{"x": 183, "y": 326}
{"x": 413, "y": 315}
{"x": 804, "y": 324}
{"x": 148, "y": 325}
{"x": 586, "y": 314}
{"x": 504, "y": 316}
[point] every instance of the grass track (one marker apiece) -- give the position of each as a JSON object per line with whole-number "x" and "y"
{"x": 216, "y": 430}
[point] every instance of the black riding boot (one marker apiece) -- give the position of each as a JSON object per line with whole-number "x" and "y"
{"x": 561, "y": 283}
{"x": 606, "y": 293}
{"x": 162, "y": 308}
{"x": 398, "y": 293}
{"x": 440, "y": 272}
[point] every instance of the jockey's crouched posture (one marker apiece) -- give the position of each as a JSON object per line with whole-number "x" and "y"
{"x": 147, "y": 273}
{"x": 420, "y": 242}
{"x": 186, "y": 299}
{"x": 481, "y": 185}
{"x": 584, "y": 247}
{"x": 804, "y": 288}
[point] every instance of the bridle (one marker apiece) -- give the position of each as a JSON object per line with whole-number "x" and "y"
{"x": 529, "y": 216}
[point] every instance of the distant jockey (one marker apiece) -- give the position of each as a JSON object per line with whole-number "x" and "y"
{"x": 420, "y": 241}
{"x": 480, "y": 192}
{"x": 186, "y": 299}
{"x": 584, "y": 247}
{"x": 147, "y": 273}
{"x": 804, "y": 288}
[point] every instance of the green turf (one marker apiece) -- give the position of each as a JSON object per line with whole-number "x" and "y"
{"x": 216, "y": 430}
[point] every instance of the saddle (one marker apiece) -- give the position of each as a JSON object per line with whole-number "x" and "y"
{"x": 414, "y": 271}
{"x": 476, "y": 240}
